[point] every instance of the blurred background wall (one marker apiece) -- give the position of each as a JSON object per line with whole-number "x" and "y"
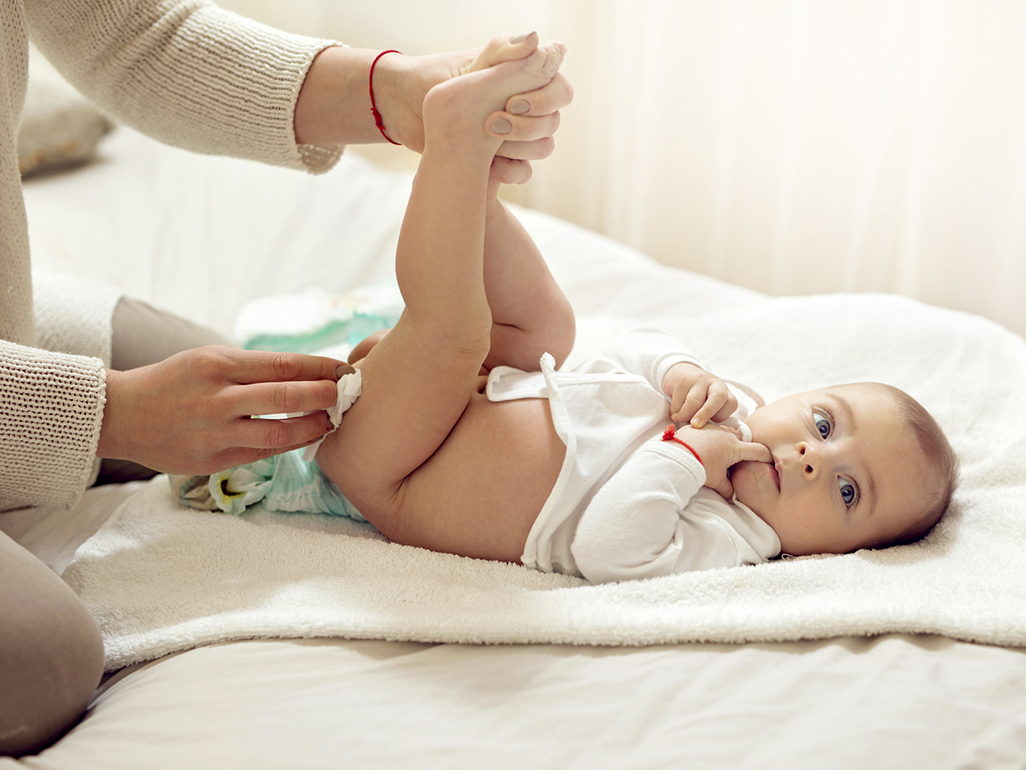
{"x": 790, "y": 146}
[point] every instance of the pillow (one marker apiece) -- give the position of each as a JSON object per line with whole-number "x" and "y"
{"x": 59, "y": 127}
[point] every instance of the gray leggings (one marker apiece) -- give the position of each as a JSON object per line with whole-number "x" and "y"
{"x": 144, "y": 335}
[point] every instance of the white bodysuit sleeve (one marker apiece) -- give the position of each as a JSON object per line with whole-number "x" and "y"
{"x": 649, "y": 353}
{"x": 637, "y": 525}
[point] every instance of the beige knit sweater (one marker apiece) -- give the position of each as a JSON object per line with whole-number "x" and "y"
{"x": 185, "y": 72}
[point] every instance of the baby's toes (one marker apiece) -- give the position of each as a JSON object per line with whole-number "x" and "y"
{"x": 503, "y": 48}
{"x": 535, "y": 71}
{"x": 548, "y": 59}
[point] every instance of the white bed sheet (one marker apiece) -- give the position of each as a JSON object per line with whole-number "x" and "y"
{"x": 887, "y": 703}
{"x": 201, "y": 236}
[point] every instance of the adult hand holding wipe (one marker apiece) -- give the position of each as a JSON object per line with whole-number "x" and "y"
{"x": 350, "y": 386}
{"x": 191, "y": 413}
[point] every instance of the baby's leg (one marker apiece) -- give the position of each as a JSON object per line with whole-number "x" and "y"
{"x": 530, "y": 313}
{"x": 420, "y": 377}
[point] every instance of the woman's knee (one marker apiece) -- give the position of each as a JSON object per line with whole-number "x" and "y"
{"x": 51, "y": 653}
{"x": 142, "y": 335}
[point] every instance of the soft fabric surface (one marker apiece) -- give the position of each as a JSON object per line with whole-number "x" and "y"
{"x": 161, "y": 578}
{"x": 887, "y": 703}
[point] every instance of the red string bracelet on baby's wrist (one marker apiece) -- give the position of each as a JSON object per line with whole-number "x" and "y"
{"x": 378, "y": 120}
{"x": 670, "y": 434}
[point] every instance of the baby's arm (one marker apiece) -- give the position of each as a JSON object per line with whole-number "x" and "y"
{"x": 648, "y": 352}
{"x": 696, "y": 395}
{"x": 632, "y": 528}
{"x": 636, "y": 525}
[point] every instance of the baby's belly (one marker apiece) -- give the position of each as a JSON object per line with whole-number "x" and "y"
{"x": 490, "y": 478}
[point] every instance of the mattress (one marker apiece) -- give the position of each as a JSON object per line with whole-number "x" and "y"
{"x": 204, "y": 236}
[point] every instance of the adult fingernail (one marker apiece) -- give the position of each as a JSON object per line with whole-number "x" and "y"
{"x": 519, "y": 107}
{"x": 501, "y": 126}
{"x": 344, "y": 369}
{"x": 520, "y": 38}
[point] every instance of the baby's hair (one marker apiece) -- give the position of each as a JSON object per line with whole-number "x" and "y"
{"x": 939, "y": 456}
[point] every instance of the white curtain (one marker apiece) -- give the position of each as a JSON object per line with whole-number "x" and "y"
{"x": 793, "y": 146}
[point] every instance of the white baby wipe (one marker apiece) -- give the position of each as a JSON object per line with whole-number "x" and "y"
{"x": 350, "y": 386}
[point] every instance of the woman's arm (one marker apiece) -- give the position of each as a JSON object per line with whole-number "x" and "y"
{"x": 49, "y": 425}
{"x": 200, "y": 77}
{"x": 334, "y": 105}
{"x": 187, "y": 73}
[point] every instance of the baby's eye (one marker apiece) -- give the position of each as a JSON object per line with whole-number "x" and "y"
{"x": 823, "y": 424}
{"x": 848, "y": 492}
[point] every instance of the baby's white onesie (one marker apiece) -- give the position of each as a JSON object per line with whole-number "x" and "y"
{"x": 626, "y": 504}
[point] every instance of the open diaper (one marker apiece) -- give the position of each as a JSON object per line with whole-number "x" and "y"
{"x": 316, "y": 321}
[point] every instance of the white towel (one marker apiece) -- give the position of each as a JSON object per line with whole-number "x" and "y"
{"x": 161, "y": 578}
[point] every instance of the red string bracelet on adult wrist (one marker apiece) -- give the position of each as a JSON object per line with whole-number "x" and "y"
{"x": 378, "y": 121}
{"x": 670, "y": 434}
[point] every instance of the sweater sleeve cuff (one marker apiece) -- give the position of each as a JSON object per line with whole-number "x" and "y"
{"x": 49, "y": 425}
{"x": 74, "y": 314}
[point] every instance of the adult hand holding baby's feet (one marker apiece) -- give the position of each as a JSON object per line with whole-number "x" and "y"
{"x": 525, "y": 117}
{"x": 467, "y": 114}
{"x": 401, "y": 83}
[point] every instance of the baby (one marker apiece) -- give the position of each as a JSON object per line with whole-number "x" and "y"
{"x": 458, "y": 442}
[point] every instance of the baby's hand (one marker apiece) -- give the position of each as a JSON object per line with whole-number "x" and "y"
{"x": 720, "y": 447}
{"x": 697, "y": 396}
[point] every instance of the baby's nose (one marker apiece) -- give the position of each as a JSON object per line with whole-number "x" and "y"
{"x": 808, "y": 459}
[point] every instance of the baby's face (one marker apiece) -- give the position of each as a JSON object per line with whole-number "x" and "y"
{"x": 847, "y": 471}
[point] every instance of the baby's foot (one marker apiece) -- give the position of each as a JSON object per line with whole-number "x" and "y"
{"x": 503, "y": 48}
{"x": 455, "y": 111}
